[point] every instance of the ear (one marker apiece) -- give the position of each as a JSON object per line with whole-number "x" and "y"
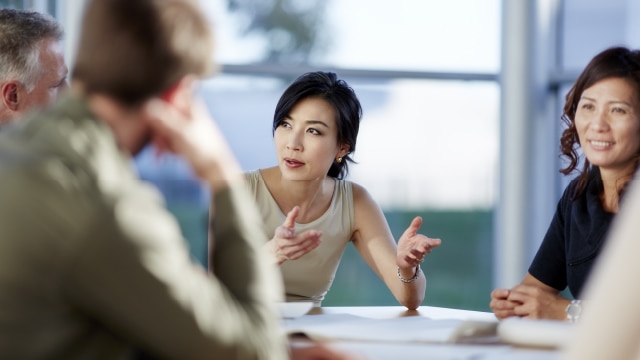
{"x": 180, "y": 94}
{"x": 344, "y": 150}
{"x": 11, "y": 96}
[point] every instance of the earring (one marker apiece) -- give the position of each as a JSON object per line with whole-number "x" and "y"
{"x": 339, "y": 160}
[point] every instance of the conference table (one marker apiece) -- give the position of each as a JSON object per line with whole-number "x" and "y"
{"x": 391, "y": 343}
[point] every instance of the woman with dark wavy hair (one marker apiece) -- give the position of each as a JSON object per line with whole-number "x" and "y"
{"x": 602, "y": 117}
{"x": 312, "y": 212}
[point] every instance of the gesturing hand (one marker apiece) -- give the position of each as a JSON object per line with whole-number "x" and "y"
{"x": 287, "y": 245}
{"x": 412, "y": 247}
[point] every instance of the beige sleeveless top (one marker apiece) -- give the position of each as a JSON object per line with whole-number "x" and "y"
{"x": 310, "y": 277}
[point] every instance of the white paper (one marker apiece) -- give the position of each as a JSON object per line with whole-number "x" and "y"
{"x": 422, "y": 351}
{"x": 401, "y": 329}
{"x": 535, "y": 332}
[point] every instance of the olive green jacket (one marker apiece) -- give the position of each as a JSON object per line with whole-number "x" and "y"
{"x": 92, "y": 266}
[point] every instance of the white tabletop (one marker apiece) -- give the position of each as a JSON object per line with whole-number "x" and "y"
{"x": 391, "y": 350}
{"x": 385, "y": 312}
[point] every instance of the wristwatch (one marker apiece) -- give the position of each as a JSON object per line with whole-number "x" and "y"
{"x": 573, "y": 310}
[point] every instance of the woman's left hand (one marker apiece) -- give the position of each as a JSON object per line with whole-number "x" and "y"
{"x": 412, "y": 247}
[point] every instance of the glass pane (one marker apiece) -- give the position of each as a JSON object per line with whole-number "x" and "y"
{"x": 453, "y": 35}
{"x": 13, "y": 4}
{"x": 414, "y": 133}
{"x": 425, "y": 148}
{"x": 590, "y": 26}
{"x": 48, "y": 6}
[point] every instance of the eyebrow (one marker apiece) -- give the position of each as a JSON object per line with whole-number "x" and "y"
{"x": 608, "y": 102}
{"x": 310, "y": 122}
{"x": 317, "y": 122}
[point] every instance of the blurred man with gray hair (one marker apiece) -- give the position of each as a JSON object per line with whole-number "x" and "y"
{"x": 32, "y": 67}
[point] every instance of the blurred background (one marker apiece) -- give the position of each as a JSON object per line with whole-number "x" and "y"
{"x": 462, "y": 102}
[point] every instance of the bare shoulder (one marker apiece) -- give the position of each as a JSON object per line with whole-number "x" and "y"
{"x": 360, "y": 194}
{"x": 363, "y": 202}
{"x": 370, "y": 224}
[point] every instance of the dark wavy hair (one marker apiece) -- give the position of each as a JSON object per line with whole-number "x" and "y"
{"x": 615, "y": 62}
{"x": 343, "y": 99}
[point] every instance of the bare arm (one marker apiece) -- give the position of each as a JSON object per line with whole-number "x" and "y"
{"x": 374, "y": 241}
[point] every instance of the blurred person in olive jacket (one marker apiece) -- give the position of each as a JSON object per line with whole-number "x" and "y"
{"x": 92, "y": 265}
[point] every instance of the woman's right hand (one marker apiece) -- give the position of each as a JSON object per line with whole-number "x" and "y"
{"x": 287, "y": 245}
{"x": 501, "y": 305}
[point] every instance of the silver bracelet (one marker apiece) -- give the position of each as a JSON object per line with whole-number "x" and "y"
{"x": 414, "y": 278}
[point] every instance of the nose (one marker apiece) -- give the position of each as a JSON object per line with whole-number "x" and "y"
{"x": 600, "y": 121}
{"x": 294, "y": 141}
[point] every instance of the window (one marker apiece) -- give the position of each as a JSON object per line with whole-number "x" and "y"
{"x": 429, "y": 136}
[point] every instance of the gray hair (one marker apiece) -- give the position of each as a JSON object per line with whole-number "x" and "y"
{"x": 21, "y": 31}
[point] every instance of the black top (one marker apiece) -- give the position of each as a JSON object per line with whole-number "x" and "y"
{"x": 574, "y": 238}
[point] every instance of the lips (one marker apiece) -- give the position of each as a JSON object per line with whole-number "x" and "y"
{"x": 293, "y": 162}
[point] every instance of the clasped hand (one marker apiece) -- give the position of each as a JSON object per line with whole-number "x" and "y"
{"x": 528, "y": 301}
{"x": 412, "y": 247}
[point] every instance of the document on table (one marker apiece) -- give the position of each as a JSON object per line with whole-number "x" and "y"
{"x": 400, "y": 329}
{"x": 535, "y": 332}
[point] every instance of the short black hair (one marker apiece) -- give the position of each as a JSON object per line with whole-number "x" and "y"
{"x": 343, "y": 99}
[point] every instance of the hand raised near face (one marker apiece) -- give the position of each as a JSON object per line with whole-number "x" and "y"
{"x": 412, "y": 247}
{"x": 187, "y": 129}
{"x": 287, "y": 244}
